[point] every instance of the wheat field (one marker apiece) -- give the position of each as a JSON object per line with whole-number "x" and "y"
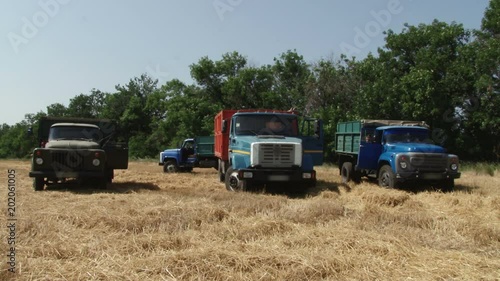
{"x": 153, "y": 226}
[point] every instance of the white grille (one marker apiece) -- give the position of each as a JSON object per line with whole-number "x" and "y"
{"x": 275, "y": 154}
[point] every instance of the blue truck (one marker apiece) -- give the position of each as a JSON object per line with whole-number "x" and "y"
{"x": 257, "y": 147}
{"x": 194, "y": 152}
{"x": 393, "y": 152}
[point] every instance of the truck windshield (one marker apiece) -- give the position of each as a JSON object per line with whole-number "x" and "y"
{"x": 74, "y": 133}
{"x": 407, "y": 136}
{"x": 266, "y": 124}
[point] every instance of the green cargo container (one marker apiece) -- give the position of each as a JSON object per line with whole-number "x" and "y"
{"x": 205, "y": 146}
{"x": 348, "y": 136}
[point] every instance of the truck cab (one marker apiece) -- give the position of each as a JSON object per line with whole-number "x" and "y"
{"x": 76, "y": 148}
{"x": 393, "y": 152}
{"x": 193, "y": 152}
{"x": 257, "y": 147}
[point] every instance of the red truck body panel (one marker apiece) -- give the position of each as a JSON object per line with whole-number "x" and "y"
{"x": 222, "y": 139}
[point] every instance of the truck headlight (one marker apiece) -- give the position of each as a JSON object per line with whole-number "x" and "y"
{"x": 454, "y": 166}
{"x": 306, "y": 175}
{"x": 39, "y": 161}
{"x": 403, "y": 165}
{"x": 247, "y": 175}
{"x": 96, "y": 162}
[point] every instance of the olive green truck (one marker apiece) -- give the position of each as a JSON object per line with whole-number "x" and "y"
{"x": 77, "y": 148}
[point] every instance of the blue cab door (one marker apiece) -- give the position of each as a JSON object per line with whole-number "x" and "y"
{"x": 312, "y": 139}
{"x": 370, "y": 148}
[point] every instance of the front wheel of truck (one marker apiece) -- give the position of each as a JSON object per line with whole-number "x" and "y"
{"x": 386, "y": 177}
{"x": 170, "y": 166}
{"x": 38, "y": 183}
{"x": 232, "y": 182}
{"x": 447, "y": 185}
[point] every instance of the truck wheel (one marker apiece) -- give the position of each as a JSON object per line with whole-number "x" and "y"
{"x": 101, "y": 183}
{"x": 447, "y": 185}
{"x": 346, "y": 172}
{"x": 220, "y": 171}
{"x": 170, "y": 167}
{"x": 38, "y": 183}
{"x": 232, "y": 181}
{"x": 386, "y": 177}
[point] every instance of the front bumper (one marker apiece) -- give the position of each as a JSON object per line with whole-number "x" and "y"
{"x": 275, "y": 175}
{"x": 67, "y": 174}
{"x": 430, "y": 176}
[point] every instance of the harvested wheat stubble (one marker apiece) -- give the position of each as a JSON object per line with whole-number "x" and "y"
{"x": 154, "y": 226}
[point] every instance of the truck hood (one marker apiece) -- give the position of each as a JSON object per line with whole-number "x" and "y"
{"x": 172, "y": 151}
{"x": 244, "y": 142}
{"x": 72, "y": 144}
{"x": 415, "y": 147}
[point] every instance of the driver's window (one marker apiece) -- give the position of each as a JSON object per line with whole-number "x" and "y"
{"x": 368, "y": 135}
{"x": 189, "y": 145}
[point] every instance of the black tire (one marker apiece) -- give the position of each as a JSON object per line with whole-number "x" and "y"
{"x": 346, "y": 172}
{"x": 101, "y": 183}
{"x": 170, "y": 166}
{"x": 220, "y": 172}
{"x": 38, "y": 183}
{"x": 447, "y": 185}
{"x": 386, "y": 177}
{"x": 232, "y": 182}
{"x": 109, "y": 175}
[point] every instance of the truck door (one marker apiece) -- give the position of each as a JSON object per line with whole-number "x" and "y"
{"x": 312, "y": 139}
{"x": 370, "y": 149}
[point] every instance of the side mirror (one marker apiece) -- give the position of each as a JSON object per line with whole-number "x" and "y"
{"x": 224, "y": 126}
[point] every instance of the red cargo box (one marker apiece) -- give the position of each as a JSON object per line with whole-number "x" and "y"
{"x": 222, "y": 139}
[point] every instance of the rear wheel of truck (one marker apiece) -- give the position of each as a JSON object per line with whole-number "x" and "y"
{"x": 220, "y": 171}
{"x": 386, "y": 177}
{"x": 232, "y": 182}
{"x": 347, "y": 173}
{"x": 170, "y": 167}
{"x": 38, "y": 183}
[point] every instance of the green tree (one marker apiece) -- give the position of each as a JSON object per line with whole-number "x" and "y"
{"x": 290, "y": 76}
{"x": 57, "y": 110}
{"x": 211, "y": 76}
{"x": 419, "y": 75}
{"x": 481, "y": 117}
{"x": 87, "y": 106}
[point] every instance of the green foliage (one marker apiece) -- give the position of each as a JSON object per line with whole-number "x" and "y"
{"x": 485, "y": 168}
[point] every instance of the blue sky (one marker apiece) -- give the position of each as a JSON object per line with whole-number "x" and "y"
{"x": 53, "y": 50}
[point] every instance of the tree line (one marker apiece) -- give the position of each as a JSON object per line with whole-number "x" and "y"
{"x": 440, "y": 73}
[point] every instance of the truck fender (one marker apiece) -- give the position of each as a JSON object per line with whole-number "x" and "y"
{"x": 387, "y": 158}
{"x": 239, "y": 161}
{"x": 307, "y": 162}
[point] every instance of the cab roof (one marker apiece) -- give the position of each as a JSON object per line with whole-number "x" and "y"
{"x": 74, "y": 125}
{"x": 402, "y": 128}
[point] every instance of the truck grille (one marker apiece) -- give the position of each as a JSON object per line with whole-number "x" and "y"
{"x": 429, "y": 162}
{"x": 276, "y": 155}
{"x": 70, "y": 160}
